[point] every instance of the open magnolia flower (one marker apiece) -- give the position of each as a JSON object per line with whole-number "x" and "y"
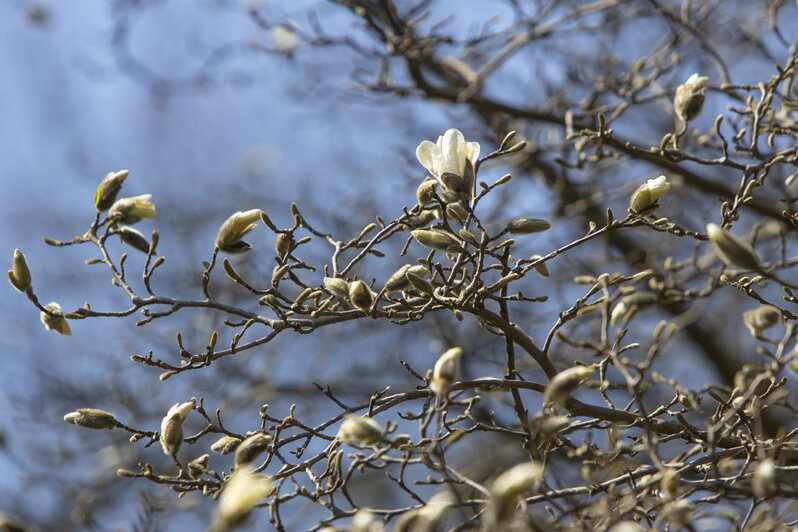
{"x": 451, "y": 161}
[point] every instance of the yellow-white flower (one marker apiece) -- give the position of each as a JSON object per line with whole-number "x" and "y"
{"x": 690, "y": 97}
{"x": 172, "y": 426}
{"x": 127, "y": 211}
{"x": 646, "y": 196}
{"x": 451, "y": 161}
{"x": 228, "y": 238}
{"x": 55, "y": 323}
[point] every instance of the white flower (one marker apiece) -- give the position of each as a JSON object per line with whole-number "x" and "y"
{"x": 690, "y": 97}
{"x": 647, "y": 194}
{"x": 447, "y": 157}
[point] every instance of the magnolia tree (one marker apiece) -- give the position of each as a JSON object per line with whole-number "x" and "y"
{"x": 561, "y": 395}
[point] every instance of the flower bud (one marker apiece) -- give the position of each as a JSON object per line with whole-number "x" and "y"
{"x": 732, "y": 250}
{"x": 228, "y": 238}
{"x": 456, "y": 211}
{"x": 108, "y": 189}
{"x": 251, "y": 448}
{"x": 55, "y": 323}
{"x": 445, "y": 371}
{"x": 764, "y": 480}
{"x": 419, "y": 283}
{"x": 436, "y": 239}
{"x": 690, "y": 97}
{"x": 360, "y": 295}
{"x": 225, "y": 445}
{"x": 92, "y": 418}
{"x": 337, "y": 286}
{"x": 19, "y": 274}
{"x": 541, "y": 268}
{"x": 426, "y": 191}
{"x": 198, "y": 466}
{"x": 127, "y": 211}
{"x": 508, "y": 486}
{"x": 171, "y": 436}
{"x": 629, "y": 305}
{"x": 760, "y": 319}
{"x": 646, "y": 196}
{"x": 283, "y": 244}
{"x": 133, "y": 238}
{"x": 398, "y": 281}
{"x": 525, "y": 226}
{"x": 360, "y": 431}
{"x": 242, "y": 491}
{"x": 562, "y": 385}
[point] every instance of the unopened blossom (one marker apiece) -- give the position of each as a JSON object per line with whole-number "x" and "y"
{"x": 360, "y": 431}
{"x": 451, "y": 160}
{"x": 171, "y": 436}
{"x": 19, "y": 275}
{"x": 562, "y": 385}
{"x": 230, "y": 234}
{"x": 761, "y": 318}
{"x": 445, "y": 371}
{"x": 108, "y": 189}
{"x": 732, "y": 250}
{"x": 646, "y": 196}
{"x": 56, "y": 322}
{"x": 243, "y": 490}
{"x": 690, "y": 96}
{"x": 127, "y": 211}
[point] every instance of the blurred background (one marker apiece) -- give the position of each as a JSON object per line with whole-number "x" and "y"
{"x": 218, "y": 106}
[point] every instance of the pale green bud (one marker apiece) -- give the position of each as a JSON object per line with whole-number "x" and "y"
{"x": 230, "y": 234}
{"x": 251, "y": 448}
{"x": 646, "y": 196}
{"x": 360, "y": 295}
{"x": 398, "y": 281}
{"x": 337, "y": 286}
{"x": 419, "y": 283}
{"x": 732, "y": 250}
{"x": 92, "y": 418}
{"x": 760, "y": 319}
{"x": 360, "y": 431}
{"x": 127, "y": 211}
{"x": 198, "y": 466}
{"x": 108, "y": 189}
{"x": 55, "y": 323}
{"x": 225, "y": 445}
{"x": 436, "y": 239}
{"x": 525, "y": 226}
{"x": 690, "y": 96}
{"x": 445, "y": 371}
{"x": 456, "y": 211}
{"x": 242, "y": 491}
{"x": 19, "y": 274}
{"x": 562, "y": 385}
{"x": 283, "y": 244}
{"x": 510, "y": 485}
{"x": 426, "y": 191}
{"x": 628, "y": 306}
{"x": 133, "y": 238}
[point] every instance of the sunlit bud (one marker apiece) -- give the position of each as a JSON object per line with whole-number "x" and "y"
{"x": 436, "y": 239}
{"x": 468, "y": 236}
{"x": 456, "y": 211}
{"x": 360, "y": 295}
{"x": 732, "y": 250}
{"x": 92, "y": 418}
{"x": 19, "y": 274}
{"x": 525, "y": 226}
{"x": 646, "y": 196}
{"x": 172, "y": 426}
{"x": 508, "y": 486}
{"x": 198, "y": 466}
{"x": 360, "y": 431}
{"x": 449, "y": 158}
{"x": 690, "y": 97}
{"x": 626, "y": 308}
{"x": 133, "y": 238}
{"x": 55, "y": 323}
{"x": 565, "y": 383}
{"x": 124, "y": 473}
{"x": 108, "y": 189}
{"x": 337, "y": 286}
{"x": 422, "y": 219}
{"x": 243, "y": 490}
{"x": 760, "y": 319}
{"x": 419, "y": 283}
{"x": 283, "y": 244}
{"x": 225, "y": 445}
{"x": 426, "y": 191}
{"x": 445, "y": 371}
{"x": 251, "y": 448}
{"x": 127, "y": 211}
{"x": 228, "y": 238}
{"x": 764, "y": 480}
{"x": 541, "y": 268}
{"x": 398, "y": 281}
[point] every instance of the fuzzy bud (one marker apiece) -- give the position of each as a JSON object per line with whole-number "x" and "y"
{"x": 646, "y": 196}
{"x": 690, "y": 96}
{"x": 171, "y": 436}
{"x": 133, "y": 238}
{"x": 445, "y": 371}
{"x": 92, "y": 418}
{"x": 456, "y": 211}
{"x": 108, "y": 189}
{"x": 360, "y": 431}
{"x": 127, "y": 211}
{"x": 526, "y": 226}
{"x": 510, "y": 485}
{"x": 398, "y": 281}
{"x": 242, "y": 491}
{"x": 760, "y": 319}
{"x": 283, "y": 244}
{"x": 198, "y": 466}
{"x": 732, "y": 250}
{"x": 360, "y": 295}
{"x": 19, "y": 274}
{"x": 228, "y": 238}
{"x": 628, "y": 306}
{"x": 251, "y": 448}
{"x": 225, "y": 445}
{"x": 562, "y": 385}
{"x": 436, "y": 240}
{"x": 426, "y": 191}
{"x": 337, "y": 286}
{"x": 55, "y": 323}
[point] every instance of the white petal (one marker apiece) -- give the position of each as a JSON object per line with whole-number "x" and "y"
{"x": 472, "y": 151}
{"x": 453, "y": 152}
{"x": 424, "y": 155}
